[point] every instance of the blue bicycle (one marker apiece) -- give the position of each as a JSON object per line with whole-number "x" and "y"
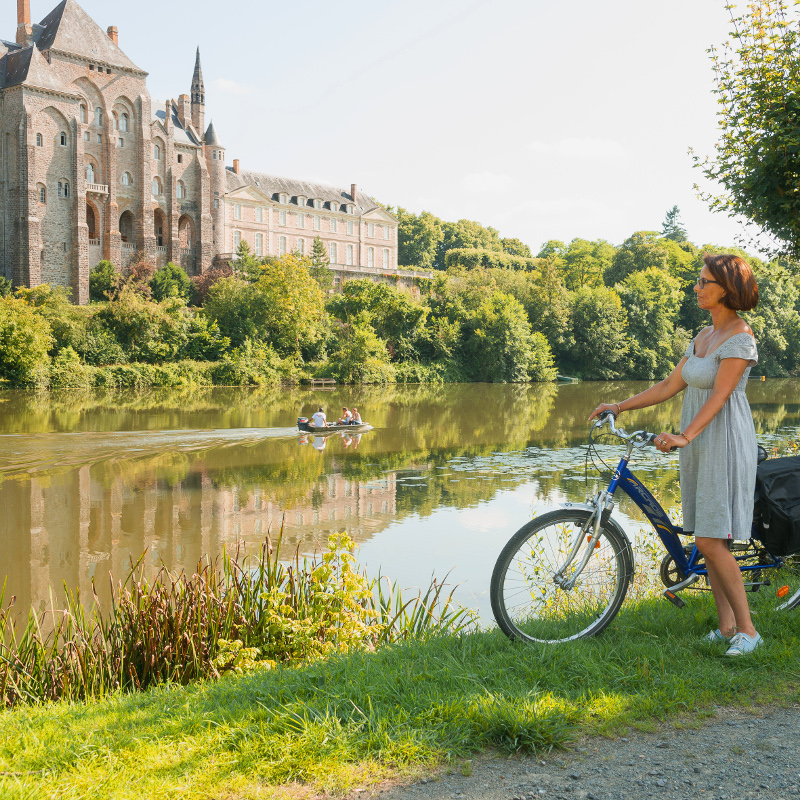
{"x": 565, "y": 574}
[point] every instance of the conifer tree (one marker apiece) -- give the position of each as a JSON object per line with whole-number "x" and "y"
{"x": 672, "y": 227}
{"x": 319, "y": 265}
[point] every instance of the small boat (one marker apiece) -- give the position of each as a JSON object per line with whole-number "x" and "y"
{"x": 304, "y": 426}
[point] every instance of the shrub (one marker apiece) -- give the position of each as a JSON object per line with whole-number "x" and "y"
{"x": 104, "y": 281}
{"x": 361, "y": 357}
{"x": 171, "y": 281}
{"x": 472, "y": 258}
{"x": 6, "y": 287}
{"x": 67, "y": 371}
{"x": 252, "y": 364}
{"x": 201, "y": 284}
{"x": 68, "y": 323}
{"x": 25, "y": 340}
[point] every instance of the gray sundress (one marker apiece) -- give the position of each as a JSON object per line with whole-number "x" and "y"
{"x": 718, "y": 467}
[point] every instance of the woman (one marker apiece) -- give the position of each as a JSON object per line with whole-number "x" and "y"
{"x": 717, "y": 438}
{"x": 356, "y": 420}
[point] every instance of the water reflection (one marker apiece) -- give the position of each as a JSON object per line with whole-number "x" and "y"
{"x": 89, "y": 480}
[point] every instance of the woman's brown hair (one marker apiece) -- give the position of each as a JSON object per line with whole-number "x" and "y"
{"x": 736, "y": 278}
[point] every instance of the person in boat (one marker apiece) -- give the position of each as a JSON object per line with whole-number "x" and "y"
{"x": 345, "y": 418}
{"x": 355, "y": 418}
{"x": 319, "y": 420}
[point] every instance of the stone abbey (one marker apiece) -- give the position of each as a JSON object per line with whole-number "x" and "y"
{"x": 92, "y": 168}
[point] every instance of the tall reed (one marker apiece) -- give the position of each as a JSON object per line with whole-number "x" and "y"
{"x": 229, "y": 615}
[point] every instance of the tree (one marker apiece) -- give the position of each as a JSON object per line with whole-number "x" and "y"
{"x": 502, "y": 348}
{"x": 599, "y": 346}
{"x": 104, "y": 281}
{"x": 640, "y": 251}
{"x": 418, "y": 239}
{"x": 246, "y": 265}
{"x": 672, "y": 228}
{"x": 651, "y": 301}
{"x": 24, "y": 341}
{"x": 171, "y": 281}
{"x": 584, "y": 263}
{"x": 468, "y": 235}
{"x": 757, "y": 160}
{"x": 515, "y": 247}
{"x": 319, "y": 267}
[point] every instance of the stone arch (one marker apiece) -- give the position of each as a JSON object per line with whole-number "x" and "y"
{"x": 93, "y": 95}
{"x": 123, "y": 105}
{"x": 93, "y": 219}
{"x": 91, "y": 169}
{"x": 186, "y": 232}
{"x": 127, "y": 228}
{"x": 160, "y": 163}
{"x": 160, "y": 227}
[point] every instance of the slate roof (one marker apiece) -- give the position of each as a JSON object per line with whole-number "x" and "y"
{"x": 211, "y": 137}
{"x": 272, "y": 186}
{"x": 70, "y": 29}
{"x": 159, "y": 113}
{"x": 29, "y": 67}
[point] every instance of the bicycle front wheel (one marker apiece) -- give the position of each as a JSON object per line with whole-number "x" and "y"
{"x": 527, "y": 602}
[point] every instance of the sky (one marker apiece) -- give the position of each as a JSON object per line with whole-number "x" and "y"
{"x": 546, "y": 120}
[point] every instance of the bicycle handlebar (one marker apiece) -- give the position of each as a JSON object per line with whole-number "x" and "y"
{"x": 638, "y": 438}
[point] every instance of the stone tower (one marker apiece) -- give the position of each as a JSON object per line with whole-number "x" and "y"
{"x": 215, "y": 161}
{"x": 198, "y": 97}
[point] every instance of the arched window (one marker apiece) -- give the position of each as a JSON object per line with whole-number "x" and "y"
{"x": 350, "y": 255}
{"x": 63, "y": 189}
{"x": 333, "y": 253}
{"x": 84, "y": 114}
{"x": 301, "y": 246}
{"x": 180, "y": 190}
{"x": 38, "y": 139}
{"x": 126, "y": 179}
{"x": 385, "y": 258}
{"x": 90, "y": 173}
{"x": 237, "y": 239}
{"x": 370, "y": 256}
{"x": 123, "y": 122}
{"x": 98, "y": 116}
{"x": 259, "y": 244}
{"x": 42, "y": 194}
{"x": 156, "y": 152}
{"x": 63, "y": 139}
{"x": 156, "y": 187}
{"x": 282, "y": 245}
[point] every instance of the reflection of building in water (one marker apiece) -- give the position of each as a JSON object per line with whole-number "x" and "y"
{"x": 69, "y": 528}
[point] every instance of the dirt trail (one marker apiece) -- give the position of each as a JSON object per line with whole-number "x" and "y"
{"x": 735, "y": 754}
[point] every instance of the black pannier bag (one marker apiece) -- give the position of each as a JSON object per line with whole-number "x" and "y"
{"x": 777, "y": 513}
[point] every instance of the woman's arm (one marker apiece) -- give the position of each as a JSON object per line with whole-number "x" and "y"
{"x": 656, "y": 394}
{"x": 728, "y": 376}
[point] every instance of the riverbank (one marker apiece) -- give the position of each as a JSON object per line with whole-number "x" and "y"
{"x": 354, "y": 720}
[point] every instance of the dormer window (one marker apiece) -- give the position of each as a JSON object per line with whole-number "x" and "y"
{"x": 284, "y": 198}
{"x": 349, "y": 209}
{"x": 318, "y": 204}
{"x": 301, "y": 201}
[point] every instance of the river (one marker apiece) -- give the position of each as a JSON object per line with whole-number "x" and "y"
{"x": 91, "y": 480}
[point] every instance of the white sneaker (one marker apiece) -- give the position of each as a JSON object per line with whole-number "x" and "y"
{"x": 716, "y": 637}
{"x": 741, "y": 644}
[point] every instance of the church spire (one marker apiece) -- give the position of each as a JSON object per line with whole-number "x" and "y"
{"x": 198, "y": 97}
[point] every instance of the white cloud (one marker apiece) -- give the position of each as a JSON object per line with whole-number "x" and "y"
{"x": 575, "y": 147}
{"x": 481, "y": 182}
{"x": 231, "y": 87}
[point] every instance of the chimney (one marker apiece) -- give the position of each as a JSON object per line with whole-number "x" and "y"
{"x": 185, "y": 111}
{"x": 113, "y": 34}
{"x": 354, "y": 193}
{"x": 24, "y": 27}
{"x": 236, "y": 165}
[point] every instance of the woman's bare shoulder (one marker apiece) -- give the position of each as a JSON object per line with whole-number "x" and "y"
{"x": 742, "y": 327}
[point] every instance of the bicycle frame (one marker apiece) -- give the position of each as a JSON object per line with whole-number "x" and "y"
{"x": 667, "y": 532}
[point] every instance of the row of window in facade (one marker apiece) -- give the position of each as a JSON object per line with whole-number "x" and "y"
{"x": 315, "y": 222}
{"x": 334, "y": 250}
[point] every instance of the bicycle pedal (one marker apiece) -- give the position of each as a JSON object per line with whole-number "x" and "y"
{"x": 674, "y": 599}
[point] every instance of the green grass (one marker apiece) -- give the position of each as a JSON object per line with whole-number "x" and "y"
{"x": 355, "y": 718}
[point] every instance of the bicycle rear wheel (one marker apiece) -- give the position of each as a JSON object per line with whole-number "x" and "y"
{"x": 783, "y": 591}
{"x": 529, "y": 605}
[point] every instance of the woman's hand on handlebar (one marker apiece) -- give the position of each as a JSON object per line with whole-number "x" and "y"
{"x": 669, "y": 441}
{"x": 612, "y": 407}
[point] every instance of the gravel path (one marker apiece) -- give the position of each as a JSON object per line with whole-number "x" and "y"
{"x": 736, "y": 754}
